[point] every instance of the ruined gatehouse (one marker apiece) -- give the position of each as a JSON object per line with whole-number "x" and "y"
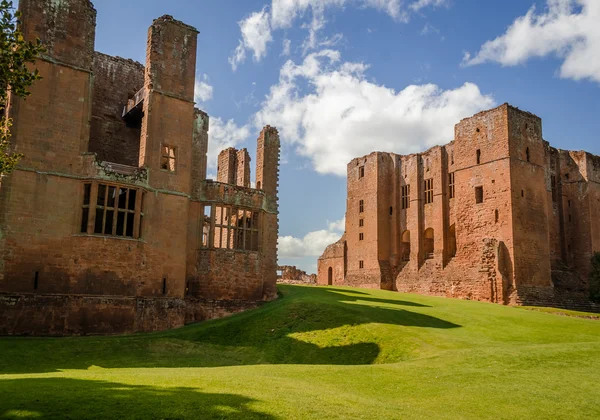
{"x": 109, "y": 225}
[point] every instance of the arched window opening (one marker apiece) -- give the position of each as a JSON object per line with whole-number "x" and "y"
{"x": 406, "y": 246}
{"x": 429, "y": 244}
{"x": 452, "y": 242}
{"x": 330, "y": 276}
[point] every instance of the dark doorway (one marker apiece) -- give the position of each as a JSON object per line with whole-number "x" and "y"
{"x": 330, "y": 277}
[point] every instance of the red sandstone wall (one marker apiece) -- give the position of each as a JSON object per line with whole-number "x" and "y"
{"x": 115, "y": 81}
{"x": 333, "y": 258}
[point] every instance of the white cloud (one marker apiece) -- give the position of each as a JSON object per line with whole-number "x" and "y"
{"x": 287, "y": 47}
{"x": 312, "y": 244}
{"x": 282, "y": 14}
{"x": 222, "y": 135}
{"x": 343, "y": 115}
{"x": 568, "y": 29}
{"x": 256, "y": 34}
{"x": 203, "y": 91}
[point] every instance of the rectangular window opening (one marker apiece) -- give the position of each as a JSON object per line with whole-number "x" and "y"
{"x": 405, "y": 197}
{"x": 361, "y": 222}
{"x": 478, "y": 195}
{"x": 428, "y": 191}
{"x": 164, "y": 286}
{"x": 167, "y": 159}
{"x": 361, "y": 172}
{"x": 361, "y": 236}
{"x": 451, "y": 190}
{"x": 361, "y": 264}
{"x": 361, "y": 206}
{"x": 36, "y": 280}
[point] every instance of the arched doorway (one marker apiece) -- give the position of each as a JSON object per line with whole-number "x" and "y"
{"x": 406, "y": 246}
{"x": 330, "y": 276}
{"x": 429, "y": 244}
{"x": 452, "y": 242}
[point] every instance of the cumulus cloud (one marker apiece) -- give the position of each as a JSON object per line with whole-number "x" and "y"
{"x": 342, "y": 115}
{"x": 312, "y": 244}
{"x": 224, "y": 134}
{"x": 203, "y": 90}
{"x": 282, "y": 14}
{"x": 287, "y": 47}
{"x": 256, "y": 34}
{"x": 568, "y": 29}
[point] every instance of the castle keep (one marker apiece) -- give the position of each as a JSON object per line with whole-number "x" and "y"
{"x": 109, "y": 224}
{"x": 496, "y": 215}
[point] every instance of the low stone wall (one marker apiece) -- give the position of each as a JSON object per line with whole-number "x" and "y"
{"x": 67, "y": 315}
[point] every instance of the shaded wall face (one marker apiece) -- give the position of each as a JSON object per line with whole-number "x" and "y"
{"x": 331, "y": 267}
{"x": 115, "y": 81}
{"x": 363, "y": 240}
{"x": 529, "y": 198}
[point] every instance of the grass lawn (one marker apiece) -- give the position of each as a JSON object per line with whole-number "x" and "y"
{"x": 319, "y": 353}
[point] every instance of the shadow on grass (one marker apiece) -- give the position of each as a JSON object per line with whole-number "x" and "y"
{"x": 78, "y": 399}
{"x": 306, "y": 326}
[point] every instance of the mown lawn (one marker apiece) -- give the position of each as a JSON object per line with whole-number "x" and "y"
{"x": 319, "y": 353}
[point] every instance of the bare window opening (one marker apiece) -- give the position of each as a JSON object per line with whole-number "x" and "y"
{"x": 361, "y": 172}
{"x": 497, "y": 216}
{"x": 570, "y": 218}
{"x": 451, "y": 190}
{"x": 361, "y": 206}
{"x": 522, "y": 193}
{"x": 36, "y": 280}
{"x": 405, "y": 196}
{"x": 527, "y": 155}
{"x": 361, "y": 264}
{"x": 429, "y": 244}
{"x": 361, "y": 236}
{"x": 567, "y": 176}
{"x": 167, "y": 159}
{"x": 164, "y": 286}
{"x": 391, "y": 211}
{"x": 361, "y": 222}
{"x": 478, "y": 195}
{"x": 428, "y": 191}
{"x": 478, "y": 156}
{"x": 112, "y": 210}
{"x": 554, "y": 189}
{"x": 330, "y": 276}
{"x": 569, "y": 202}
{"x": 406, "y": 246}
{"x": 235, "y": 229}
{"x": 452, "y": 241}
{"x": 85, "y": 214}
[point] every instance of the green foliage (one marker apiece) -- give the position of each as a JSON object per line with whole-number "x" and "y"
{"x": 595, "y": 278}
{"x": 319, "y": 353}
{"x": 16, "y": 74}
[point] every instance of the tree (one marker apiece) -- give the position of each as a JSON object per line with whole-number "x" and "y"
{"x": 17, "y": 74}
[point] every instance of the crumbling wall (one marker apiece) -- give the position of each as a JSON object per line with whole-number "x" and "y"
{"x": 115, "y": 81}
{"x": 293, "y": 275}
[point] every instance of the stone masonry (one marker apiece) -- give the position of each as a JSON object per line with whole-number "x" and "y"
{"x": 109, "y": 225}
{"x": 496, "y": 215}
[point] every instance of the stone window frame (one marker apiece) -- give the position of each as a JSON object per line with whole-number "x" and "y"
{"x": 168, "y": 158}
{"x": 361, "y": 236}
{"x": 361, "y": 206}
{"x": 451, "y": 185}
{"x": 405, "y": 192}
{"x": 223, "y": 235}
{"x": 361, "y": 264}
{"x": 361, "y": 223}
{"x": 428, "y": 190}
{"x": 131, "y": 212}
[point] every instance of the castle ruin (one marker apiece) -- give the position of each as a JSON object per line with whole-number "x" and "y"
{"x": 496, "y": 215}
{"x": 109, "y": 225}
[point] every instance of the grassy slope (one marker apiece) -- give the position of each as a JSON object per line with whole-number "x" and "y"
{"x": 318, "y": 353}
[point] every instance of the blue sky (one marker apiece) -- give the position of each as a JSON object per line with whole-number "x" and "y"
{"x": 342, "y": 78}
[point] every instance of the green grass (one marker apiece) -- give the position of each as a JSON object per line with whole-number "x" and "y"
{"x": 319, "y": 353}
{"x": 565, "y": 312}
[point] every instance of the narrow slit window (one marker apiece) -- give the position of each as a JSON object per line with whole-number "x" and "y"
{"x": 36, "y": 280}
{"x": 497, "y": 216}
{"x": 361, "y": 172}
{"x": 451, "y": 190}
{"x": 405, "y": 197}
{"x": 164, "y": 286}
{"x": 478, "y": 195}
{"x": 361, "y": 222}
{"x": 361, "y": 236}
{"x": 168, "y": 159}
{"x": 428, "y": 191}
{"x": 527, "y": 155}
{"x": 85, "y": 214}
{"x": 361, "y": 264}
{"x": 391, "y": 211}
{"x": 554, "y": 189}
{"x": 361, "y": 206}
{"x": 478, "y": 156}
